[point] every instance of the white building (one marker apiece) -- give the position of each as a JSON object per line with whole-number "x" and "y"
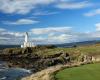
{"x": 27, "y": 42}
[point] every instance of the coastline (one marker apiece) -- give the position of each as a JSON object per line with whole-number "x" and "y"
{"x": 49, "y": 73}
{"x": 45, "y": 62}
{"x": 7, "y": 73}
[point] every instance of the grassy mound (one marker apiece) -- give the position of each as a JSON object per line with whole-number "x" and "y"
{"x": 86, "y": 72}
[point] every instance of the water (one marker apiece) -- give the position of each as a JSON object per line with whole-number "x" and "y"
{"x": 9, "y": 46}
{"x": 12, "y": 73}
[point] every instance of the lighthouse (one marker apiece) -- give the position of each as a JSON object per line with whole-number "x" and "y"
{"x": 26, "y": 37}
{"x": 27, "y": 42}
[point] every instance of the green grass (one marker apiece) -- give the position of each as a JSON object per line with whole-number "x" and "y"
{"x": 74, "y": 52}
{"x": 88, "y": 49}
{"x": 85, "y": 72}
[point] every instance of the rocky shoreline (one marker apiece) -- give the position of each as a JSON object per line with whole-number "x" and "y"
{"x": 28, "y": 59}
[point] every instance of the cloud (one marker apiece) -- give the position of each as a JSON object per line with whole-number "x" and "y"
{"x": 65, "y": 38}
{"x": 39, "y": 31}
{"x": 58, "y": 35}
{"x": 73, "y": 5}
{"x": 4, "y": 38}
{"x": 97, "y": 26}
{"x": 1, "y": 29}
{"x": 62, "y": 38}
{"x": 42, "y": 13}
{"x": 21, "y": 6}
{"x": 92, "y": 13}
{"x": 55, "y": 39}
{"x": 11, "y": 34}
{"x": 26, "y": 6}
{"x": 9, "y": 37}
{"x": 22, "y": 21}
{"x": 49, "y": 35}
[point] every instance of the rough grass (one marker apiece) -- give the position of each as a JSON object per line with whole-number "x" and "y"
{"x": 73, "y": 52}
{"x": 88, "y": 49}
{"x": 86, "y": 72}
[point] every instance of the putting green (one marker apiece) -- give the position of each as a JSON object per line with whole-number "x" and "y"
{"x": 85, "y": 72}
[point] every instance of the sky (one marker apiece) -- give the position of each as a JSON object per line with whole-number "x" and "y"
{"x": 49, "y": 21}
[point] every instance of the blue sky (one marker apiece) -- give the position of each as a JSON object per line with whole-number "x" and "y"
{"x": 49, "y": 21}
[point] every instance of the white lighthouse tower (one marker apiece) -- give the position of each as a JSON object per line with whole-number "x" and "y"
{"x": 27, "y": 42}
{"x": 26, "y": 37}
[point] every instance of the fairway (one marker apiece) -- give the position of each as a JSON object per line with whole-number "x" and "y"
{"x": 85, "y": 72}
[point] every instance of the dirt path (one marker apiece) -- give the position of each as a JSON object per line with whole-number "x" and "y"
{"x": 47, "y": 74}
{"x": 44, "y": 74}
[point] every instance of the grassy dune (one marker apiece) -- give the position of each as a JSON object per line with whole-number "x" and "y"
{"x": 86, "y": 72}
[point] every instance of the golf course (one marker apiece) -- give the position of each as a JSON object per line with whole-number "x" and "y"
{"x": 84, "y": 72}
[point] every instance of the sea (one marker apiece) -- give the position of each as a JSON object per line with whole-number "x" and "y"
{"x": 11, "y": 73}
